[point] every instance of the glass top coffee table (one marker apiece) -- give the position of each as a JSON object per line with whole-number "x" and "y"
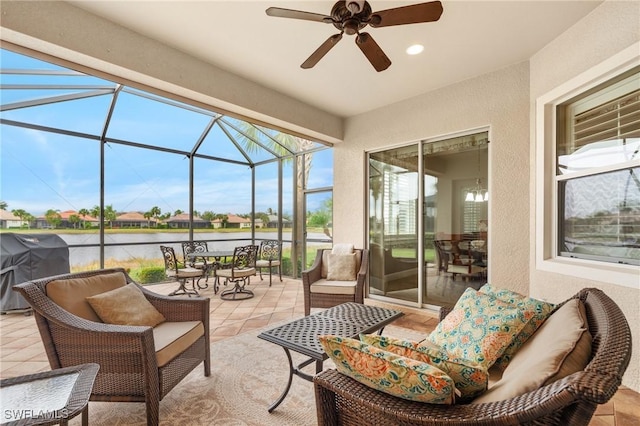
{"x": 48, "y": 398}
{"x": 346, "y": 320}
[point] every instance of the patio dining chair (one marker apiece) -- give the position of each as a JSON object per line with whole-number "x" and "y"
{"x": 189, "y": 251}
{"x": 174, "y": 270}
{"x": 243, "y": 266}
{"x": 269, "y": 257}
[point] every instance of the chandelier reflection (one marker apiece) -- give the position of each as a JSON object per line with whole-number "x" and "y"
{"x": 477, "y": 194}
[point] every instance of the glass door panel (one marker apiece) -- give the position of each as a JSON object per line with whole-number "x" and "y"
{"x": 455, "y": 217}
{"x": 393, "y": 223}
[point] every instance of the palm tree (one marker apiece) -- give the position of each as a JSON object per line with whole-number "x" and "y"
{"x": 3, "y": 205}
{"x": 18, "y": 213}
{"x": 84, "y": 213}
{"x": 110, "y": 215}
{"x": 74, "y": 219}
{"x": 281, "y": 144}
{"x": 155, "y": 213}
{"x": 148, "y": 215}
{"x": 95, "y": 212}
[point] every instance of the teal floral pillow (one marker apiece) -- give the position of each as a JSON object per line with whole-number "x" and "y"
{"x": 469, "y": 381}
{"x": 387, "y": 372}
{"x": 478, "y": 329}
{"x": 537, "y": 310}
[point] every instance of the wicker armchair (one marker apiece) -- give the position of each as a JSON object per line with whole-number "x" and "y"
{"x": 322, "y": 296}
{"x": 130, "y": 368}
{"x": 341, "y": 400}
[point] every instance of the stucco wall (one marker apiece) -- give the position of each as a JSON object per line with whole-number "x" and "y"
{"x": 498, "y": 100}
{"x": 609, "y": 29}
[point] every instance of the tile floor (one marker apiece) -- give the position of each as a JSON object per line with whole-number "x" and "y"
{"x": 22, "y": 352}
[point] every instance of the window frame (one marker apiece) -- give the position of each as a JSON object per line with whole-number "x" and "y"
{"x": 546, "y": 219}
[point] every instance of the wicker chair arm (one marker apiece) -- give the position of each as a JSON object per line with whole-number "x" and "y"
{"x": 444, "y": 311}
{"x": 314, "y": 273}
{"x": 362, "y": 276}
{"x": 179, "y": 309}
{"x": 384, "y": 409}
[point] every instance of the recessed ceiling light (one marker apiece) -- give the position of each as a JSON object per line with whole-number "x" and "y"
{"x": 415, "y": 49}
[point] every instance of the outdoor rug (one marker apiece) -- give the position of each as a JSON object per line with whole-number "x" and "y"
{"x": 247, "y": 375}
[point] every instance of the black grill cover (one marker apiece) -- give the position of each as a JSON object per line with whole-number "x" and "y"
{"x": 26, "y": 257}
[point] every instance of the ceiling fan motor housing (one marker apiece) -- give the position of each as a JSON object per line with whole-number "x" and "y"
{"x": 350, "y": 23}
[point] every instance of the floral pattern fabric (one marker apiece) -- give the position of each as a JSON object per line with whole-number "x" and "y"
{"x": 537, "y": 310}
{"x": 388, "y": 372}
{"x": 470, "y": 381}
{"x": 479, "y": 328}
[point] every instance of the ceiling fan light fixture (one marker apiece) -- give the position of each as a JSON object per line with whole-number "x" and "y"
{"x": 415, "y": 49}
{"x": 354, "y": 6}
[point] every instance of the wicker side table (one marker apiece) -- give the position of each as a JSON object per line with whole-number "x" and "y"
{"x": 48, "y": 398}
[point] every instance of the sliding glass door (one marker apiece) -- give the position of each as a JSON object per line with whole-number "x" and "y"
{"x": 428, "y": 211}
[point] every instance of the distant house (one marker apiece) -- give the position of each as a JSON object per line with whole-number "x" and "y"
{"x": 273, "y": 222}
{"x": 232, "y": 221}
{"x": 66, "y": 221}
{"x": 132, "y": 220}
{"x": 8, "y": 220}
{"x": 182, "y": 221}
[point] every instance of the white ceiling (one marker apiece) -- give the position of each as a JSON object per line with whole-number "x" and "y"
{"x": 470, "y": 39}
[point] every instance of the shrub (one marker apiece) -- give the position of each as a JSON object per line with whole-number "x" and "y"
{"x": 148, "y": 275}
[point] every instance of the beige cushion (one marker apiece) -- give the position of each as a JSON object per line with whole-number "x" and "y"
{"x": 71, "y": 294}
{"x": 342, "y": 248}
{"x": 324, "y": 267}
{"x": 173, "y": 338}
{"x": 333, "y": 287}
{"x": 265, "y": 263}
{"x": 236, "y": 273}
{"x": 342, "y": 267}
{"x": 125, "y": 306}
{"x": 543, "y": 355}
{"x": 184, "y": 273}
{"x": 579, "y": 357}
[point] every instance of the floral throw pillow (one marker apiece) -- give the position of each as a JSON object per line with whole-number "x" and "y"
{"x": 470, "y": 381}
{"x": 538, "y": 310}
{"x": 478, "y": 329}
{"x": 387, "y": 372}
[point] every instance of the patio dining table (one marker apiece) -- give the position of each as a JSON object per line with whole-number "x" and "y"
{"x": 215, "y": 260}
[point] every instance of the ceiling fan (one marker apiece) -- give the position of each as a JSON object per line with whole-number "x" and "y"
{"x": 351, "y": 16}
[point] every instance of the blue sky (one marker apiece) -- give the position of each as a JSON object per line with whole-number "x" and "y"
{"x": 42, "y": 170}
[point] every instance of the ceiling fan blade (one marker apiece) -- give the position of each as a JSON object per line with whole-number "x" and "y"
{"x": 412, "y": 14}
{"x": 321, "y": 51}
{"x": 279, "y": 12}
{"x": 372, "y": 51}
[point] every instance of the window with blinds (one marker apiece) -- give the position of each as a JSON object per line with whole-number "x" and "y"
{"x": 598, "y": 173}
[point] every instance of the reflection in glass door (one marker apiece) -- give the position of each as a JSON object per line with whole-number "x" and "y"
{"x": 393, "y": 223}
{"x": 436, "y": 190}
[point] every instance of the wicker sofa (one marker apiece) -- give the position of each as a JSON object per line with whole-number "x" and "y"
{"x": 137, "y": 363}
{"x": 572, "y": 400}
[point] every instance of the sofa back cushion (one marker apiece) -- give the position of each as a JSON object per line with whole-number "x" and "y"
{"x": 71, "y": 294}
{"x": 562, "y": 345}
